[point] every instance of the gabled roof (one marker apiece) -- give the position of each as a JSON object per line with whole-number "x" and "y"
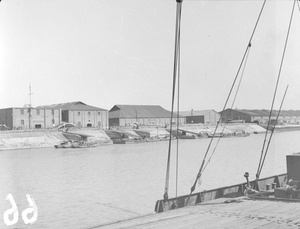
{"x": 73, "y": 106}
{"x": 256, "y": 112}
{"x": 138, "y": 111}
{"x": 294, "y": 112}
{"x": 197, "y": 112}
{"x": 267, "y": 112}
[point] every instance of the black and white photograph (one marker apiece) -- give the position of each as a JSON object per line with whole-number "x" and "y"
{"x": 149, "y": 114}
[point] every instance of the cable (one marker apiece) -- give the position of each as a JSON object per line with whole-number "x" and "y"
{"x": 231, "y": 89}
{"x": 263, "y": 153}
{"x": 273, "y": 130}
{"x": 214, "y": 150}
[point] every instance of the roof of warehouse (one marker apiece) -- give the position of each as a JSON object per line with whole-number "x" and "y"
{"x": 139, "y": 111}
{"x": 73, "y": 106}
{"x": 267, "y": 112}
{"x": 196, "y": 112}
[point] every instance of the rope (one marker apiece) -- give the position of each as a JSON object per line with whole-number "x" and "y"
{"x": 263, "y": 153}
{"x": 214, "y": 150}
{"x": 178, "y": 87}
{"x": 273, "y": 129}
{"x": 231, "y": 89}
{"x": 176, "y": 54}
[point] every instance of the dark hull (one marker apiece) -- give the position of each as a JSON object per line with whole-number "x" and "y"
{"x": 59, "y": 146}
{"x": 229, "y": 191}
{"x": 128, "y": 141}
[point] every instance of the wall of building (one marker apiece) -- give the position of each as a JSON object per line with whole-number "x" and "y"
{"x": 211, "y": 117}
{"x": 231, "y": 115}
{"x": 25, "y": 118}
{"x": 6, "y": 117}
{"x": 81, "y": 119}
{"x": 33, "y": 118}
{"x": 114, "y": 122}
{"x": 293, "y": 120}
{"x": 263, "y": 120}
{"x": 145, "y": 121}
{"x": 195, "y": 119}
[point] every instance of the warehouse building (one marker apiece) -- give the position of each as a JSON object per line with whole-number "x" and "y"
{"x": 143, "y": 115}
{"x": 49, "y": 116}
{"x": 260, "y": 116}
{"x": 81, "y": 114}
{"x": 201, "y": 116}
{"x": 20, "y": 118}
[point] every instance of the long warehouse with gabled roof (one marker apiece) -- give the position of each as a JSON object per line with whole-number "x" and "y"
{"x": 144, "y": 115}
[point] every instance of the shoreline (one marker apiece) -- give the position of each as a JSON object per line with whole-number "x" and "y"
{"x": 27, "y": 139}
{"x": 47, "y": 138}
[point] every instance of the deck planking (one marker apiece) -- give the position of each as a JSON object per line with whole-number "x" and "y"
{"x": 240, "y": 213}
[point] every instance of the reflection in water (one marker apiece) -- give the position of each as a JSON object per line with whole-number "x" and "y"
{"x": 82, "y": 188}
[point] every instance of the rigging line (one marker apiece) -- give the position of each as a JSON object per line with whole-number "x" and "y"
{"x": 298, "y": 5}
{"x": 178, "y": 87}
{"x": 234, "y": 0}
{"x": 242, "y": 74}
{"x": 217, "y": 125}
{"x": 249, "y": 44}
{"x": 276, "y": 87}
{"x": 238, "y": 87}
{"x": 175, "y": 68}
{"x": 273, "y": 130}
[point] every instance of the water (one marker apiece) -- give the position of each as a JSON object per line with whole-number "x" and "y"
{"x": 83, "y": 188}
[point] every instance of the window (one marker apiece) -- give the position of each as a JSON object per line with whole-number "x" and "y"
{"x": 89, "y": 113}
{"x": 53, "y": 121}
{"x": 99, "y": 113}
{"x": 78, "y": 113}
{"x": 22, "y": 111}
{"x": 37, "y": 112}
{"x": 22, "y": 122}
{"x": 52, "y": 111}
{"x": 38, "y": 126}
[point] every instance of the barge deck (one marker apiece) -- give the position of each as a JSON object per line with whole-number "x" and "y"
{"x": 241, "y": 212}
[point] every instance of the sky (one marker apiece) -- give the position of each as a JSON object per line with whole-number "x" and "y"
{"x": 121, "y": 52}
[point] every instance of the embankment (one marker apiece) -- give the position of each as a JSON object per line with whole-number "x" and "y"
{"x": 44, "y": 138}
{"x": 48, "y": 138}
{"x": 228, "y": 128}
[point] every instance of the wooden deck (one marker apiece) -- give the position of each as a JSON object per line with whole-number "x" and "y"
{"x": 230, "y": 213}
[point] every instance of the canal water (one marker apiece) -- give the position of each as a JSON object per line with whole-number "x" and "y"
{"x": 86, "y": 188}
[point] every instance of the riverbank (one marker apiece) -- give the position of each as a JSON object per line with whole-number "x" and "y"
{"x": 45, "y": 138}
{"x": 24, "y": 139}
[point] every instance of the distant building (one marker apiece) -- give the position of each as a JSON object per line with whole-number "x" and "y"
{"x": 29, "y": 118}
{"x": 260, "y": 116}
{"x": 201, "y": 116}
{"x": 143, "y": 115}
{"x": 81, "y": 114}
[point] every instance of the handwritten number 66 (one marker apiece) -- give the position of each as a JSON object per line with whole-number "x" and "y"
{"x": 14, "y": 211}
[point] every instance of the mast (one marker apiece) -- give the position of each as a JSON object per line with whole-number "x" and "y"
{"x": 29, "y": 109}
{"x": 175, "y": 74}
